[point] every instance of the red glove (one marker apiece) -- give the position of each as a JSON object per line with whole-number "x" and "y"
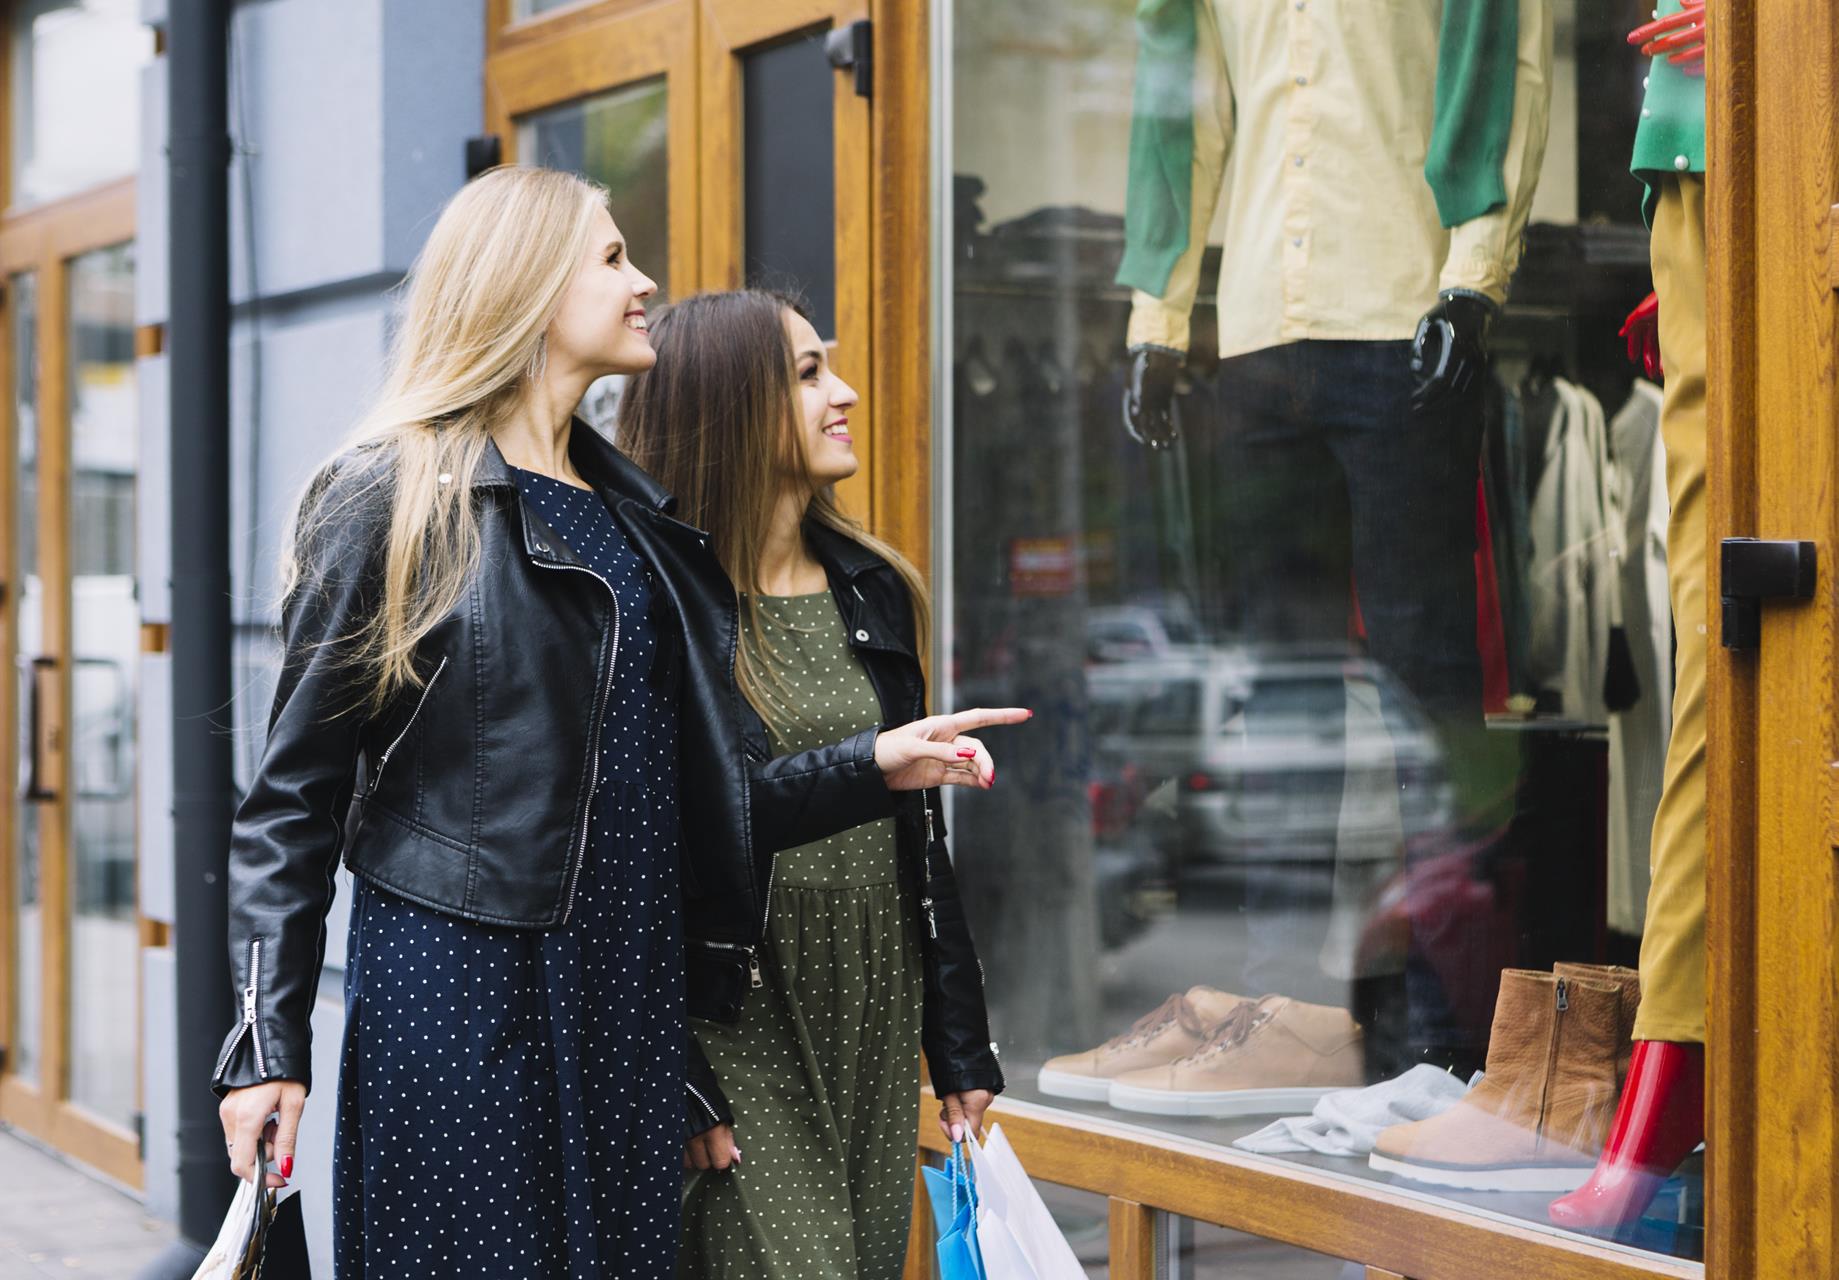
{"x": 1678, "y": 37}
{"x": 1642, "y": 330}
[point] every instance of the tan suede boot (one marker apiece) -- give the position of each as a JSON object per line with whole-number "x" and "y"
{"x": 1278, "y": 1055}
{"x": 1629, "y": 980}
{"x": 1174, "y": 1029}
{"x": 1537, "y": 1119}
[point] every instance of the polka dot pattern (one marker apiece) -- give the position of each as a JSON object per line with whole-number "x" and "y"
{"x": 823, "y": 1070}
{"x": 510, "y": 1100}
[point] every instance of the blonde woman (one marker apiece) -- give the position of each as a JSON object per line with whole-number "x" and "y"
{"x": 857, "y": 943}
{"x": 506, "y": 702}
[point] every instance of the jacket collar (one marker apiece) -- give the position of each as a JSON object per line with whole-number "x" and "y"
{"x": 840, "y": 554}
{"x": 603, "y": 466}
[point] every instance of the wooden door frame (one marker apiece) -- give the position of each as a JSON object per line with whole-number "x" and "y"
{"x": 728, "y": 29}
{"x": 577, "y": 52}
{"x": 43, "y": 241}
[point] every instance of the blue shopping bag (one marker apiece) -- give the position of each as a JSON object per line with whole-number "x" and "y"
{"x": 953, "y": 1194}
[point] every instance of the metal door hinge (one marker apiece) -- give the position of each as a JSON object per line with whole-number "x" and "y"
{"x": 851, "y": 47}
{"x": 1751, "y": 571}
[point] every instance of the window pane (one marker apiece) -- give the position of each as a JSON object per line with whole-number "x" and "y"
{"x": 1352, "y": 702}
{"x": 621, "y": 140}
{"x": 532, "y": 8}
{"x": 27, "y": 609}
{"x": 76, "y": 94}
{"x": 789, "y": 160}
{"x": 106, "y": 642}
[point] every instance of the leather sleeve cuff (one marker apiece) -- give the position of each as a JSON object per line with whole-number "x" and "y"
{"x": 962, "y": 1079}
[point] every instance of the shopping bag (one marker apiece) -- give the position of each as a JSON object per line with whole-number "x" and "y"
{"x": 954, "y": 1215}
{"x": 262, "y": 1238}
{"x": 1011, "y": 1212}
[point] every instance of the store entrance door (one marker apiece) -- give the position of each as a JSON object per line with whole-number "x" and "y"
{"x": 70, "y": 631}
{"x": 1773, "y": 1071}
{"x": 737, "y": 151}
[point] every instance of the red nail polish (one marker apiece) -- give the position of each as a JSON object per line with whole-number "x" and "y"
{"x": 287, "y": 1166}
{"x": 967, "y": 755}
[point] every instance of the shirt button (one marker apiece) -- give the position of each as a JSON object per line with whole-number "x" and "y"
{"x": 1644, "y": 82}
{"x": 1302, "y": 79}
{"x": 1299, "y": 162}
{"x": 1682, "y": 163}
{"x": 1298, "y": 242}
{"x": 862, "y": 635}
{"x": 1646, "y": 114}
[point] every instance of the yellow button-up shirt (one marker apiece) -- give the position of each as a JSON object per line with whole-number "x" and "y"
{"x": 1312, "y": 119}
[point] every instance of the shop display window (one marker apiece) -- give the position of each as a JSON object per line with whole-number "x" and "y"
{"x": 1353, "y": 681}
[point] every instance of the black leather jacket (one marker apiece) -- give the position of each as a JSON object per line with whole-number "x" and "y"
{"x": 470, "y": 795}
{"x": 725, "y": 919}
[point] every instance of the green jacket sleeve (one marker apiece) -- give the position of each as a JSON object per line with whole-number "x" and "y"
{"x": 1477, "y": 49}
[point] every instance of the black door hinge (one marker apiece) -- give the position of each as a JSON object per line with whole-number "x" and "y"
{"x": 1752, "y": 571}
{"x": 852, "y": 47}
{"x": 482, "y": 153}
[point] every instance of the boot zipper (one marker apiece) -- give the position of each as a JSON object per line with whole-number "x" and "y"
{"x": 593, "y": 744}
{"x": 1561, "y": 1001}
{"x": 384, "y": 759}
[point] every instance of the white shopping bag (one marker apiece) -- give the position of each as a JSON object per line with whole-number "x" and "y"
{"x": 1014, "y": 1220}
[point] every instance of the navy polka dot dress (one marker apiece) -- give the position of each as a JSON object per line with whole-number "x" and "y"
{"x": 510, "y": 1100}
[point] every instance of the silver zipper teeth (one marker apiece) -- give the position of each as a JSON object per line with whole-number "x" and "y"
{"x": 593, "y": 781}
{"x": 752, "y": 953}
{"x": 705, "y": 1102}
{"x": 251, "y": 995}
{"x": 384, "y": 759}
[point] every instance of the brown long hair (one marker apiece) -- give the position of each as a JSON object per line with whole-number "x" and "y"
{"x": 715, "y": 422}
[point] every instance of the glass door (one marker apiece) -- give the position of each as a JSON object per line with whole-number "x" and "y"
{"x": 70, "y": 627}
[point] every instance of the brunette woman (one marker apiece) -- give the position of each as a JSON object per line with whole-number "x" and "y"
{"x": 506, "y": 702}
{"x": 858, "y": 950}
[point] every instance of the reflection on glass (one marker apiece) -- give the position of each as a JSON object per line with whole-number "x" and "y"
{"x": 1202, "y": 1251}
{"x": 1351, "y": 678}
{"x": 27, "y": 610}
{"x": 621, "y": 140}
{"x": 532, "y": 8}
{"x": 789, "y": 167}
{"x": 75, "y": 94}
{"x": 106, "y": 641}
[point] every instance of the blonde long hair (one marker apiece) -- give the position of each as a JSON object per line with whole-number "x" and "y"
{"x": 715, "y": 423}
{"x": 478, "y": 299}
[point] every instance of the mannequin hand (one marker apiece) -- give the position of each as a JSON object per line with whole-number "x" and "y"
{"x": 1451, "y": 347}
{"x": 266, "y": 1112}
{"x": 1678, "y": 37}
{"x": 935, "y": 753}
{"x": 964, "y": 1113}
{"x": 712, "y": 1149}
{"x": 1148, "y": 394}
{"x": 1642, "y": 330}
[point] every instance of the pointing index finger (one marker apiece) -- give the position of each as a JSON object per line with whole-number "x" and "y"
{"x": 984, "y": 717}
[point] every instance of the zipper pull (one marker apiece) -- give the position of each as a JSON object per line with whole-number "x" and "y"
{"x": 1564, "y": 999}
{"x": 930, "y": 837}
{"x": 249, "y": 1005}
{"x": 932, "y": 919}
{"x": 753, "y": 969}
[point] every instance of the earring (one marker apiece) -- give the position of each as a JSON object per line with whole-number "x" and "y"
{"x": 539, "y": 360}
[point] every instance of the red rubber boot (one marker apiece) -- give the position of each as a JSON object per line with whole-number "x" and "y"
{"x": 1659, "y": 1121}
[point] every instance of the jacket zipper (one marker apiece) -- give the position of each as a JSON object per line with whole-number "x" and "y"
{"x": 384, "y": 759}
{"x": 926, "y": 904}
{"x": 593, "y": 743}
{"x": 753, "y": 958}
{"x": 1561, "y": 1001}
{"x": 697, "y": 1094}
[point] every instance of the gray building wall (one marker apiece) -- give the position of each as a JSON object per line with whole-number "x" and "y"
{"x": 349, "y": 118}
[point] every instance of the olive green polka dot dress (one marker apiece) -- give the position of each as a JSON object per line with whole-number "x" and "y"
{"x": 822, "y": 1071}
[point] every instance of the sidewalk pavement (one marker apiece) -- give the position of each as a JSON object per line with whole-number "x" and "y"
{"x": 56, "y": 1220}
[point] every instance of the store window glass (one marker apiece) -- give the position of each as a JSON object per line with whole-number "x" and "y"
{"x": 75, "y": 94}
{"x": 522, "y": 9}
{"x": 621, "y": 140}
{"x": 1296, "y": 474}
{"x": 105, "y": 633}
{"x": 27, "y": 612}
{"x": 789, "y": 172}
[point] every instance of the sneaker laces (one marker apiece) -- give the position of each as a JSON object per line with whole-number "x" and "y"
{"x": 1239, "y": 1026}
{"x": 1150, "y": 1025}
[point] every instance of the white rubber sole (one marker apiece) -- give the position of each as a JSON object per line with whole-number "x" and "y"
{"x": 1547, "y": 1178}
{"x": 1064, "y": 1084}
{"x": 1216, "y": 1103}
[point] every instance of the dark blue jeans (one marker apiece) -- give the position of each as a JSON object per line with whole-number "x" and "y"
{"x": 1326, "y": 478}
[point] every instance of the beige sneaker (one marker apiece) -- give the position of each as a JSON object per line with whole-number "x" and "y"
{"x": 1174, "y": 1029}
{"x": 1276, "y": 1055}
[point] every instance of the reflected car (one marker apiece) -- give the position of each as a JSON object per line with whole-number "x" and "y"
{"x": 1273, "y": 754}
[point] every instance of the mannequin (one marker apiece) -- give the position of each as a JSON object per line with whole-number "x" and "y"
{"x": 1376, "y": 162}
{"x": 1660, "y": 1116}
